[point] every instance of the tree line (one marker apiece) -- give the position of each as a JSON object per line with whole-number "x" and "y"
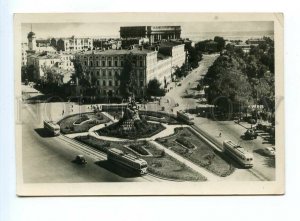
{"x": 242, "y": 79}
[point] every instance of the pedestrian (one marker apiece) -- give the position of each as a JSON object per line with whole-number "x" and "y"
{"x": 63, "y": 112}
{"x": 220, "y": 134}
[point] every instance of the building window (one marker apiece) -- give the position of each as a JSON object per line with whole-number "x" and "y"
{"x": 109, "y": 73}
{"x": 91, "y": 63}
{"x": 141, "y": 83}
{"x": 141, "y": 63}
{"x": 116, "y": 63}
{"x": 104, "y": 83}
{"x": 97, "y": 73}
{"x": 121, "y": 63}
{"x": 109, "y": 63}
{"x": 116, "y": 83}
{"x": 97, "y": 63}
{"x": 103, "y": 63}
{"x": 110, "y": 83}
{"x": 104, "y": 73}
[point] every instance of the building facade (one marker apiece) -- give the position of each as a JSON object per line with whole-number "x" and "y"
{"x": 153, "y": 33}
{"x": 24, "y": 49}
{"x": 72, "y": 44}
{"x": 103, "y": 68}
{"x": 40, "y": 61}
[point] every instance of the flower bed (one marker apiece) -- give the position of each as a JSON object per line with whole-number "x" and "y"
{"x": 81, "y": 123}
{"x": 142, "y": 129}
{"x": 203, "y": 155}
{"x": 81, "y": 119}
{"x": 185, "y": 142}
{"x": 159, "y": 163}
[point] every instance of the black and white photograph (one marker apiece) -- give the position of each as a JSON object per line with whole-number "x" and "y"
{"x": 149, "y": 104}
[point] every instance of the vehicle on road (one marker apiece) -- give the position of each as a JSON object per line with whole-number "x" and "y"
{"x": 80, "y": 160}
{"x": 52, "y": 128}
{"x": 250, "y": 134}
{"x": 186, "y": 117}
{"x": 238, "y": 153}
{"x": 179, "y": 84}
{"x": 117, "y": 156}
{"x": 251, "y": 121}
{"x": 270, "y": 151}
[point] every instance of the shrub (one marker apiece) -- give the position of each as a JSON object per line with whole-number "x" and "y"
{"x": 138, "y": 149}
{"x": 185, "y": 142}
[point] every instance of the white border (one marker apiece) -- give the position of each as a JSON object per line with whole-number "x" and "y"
{"x": 207, "y": 208}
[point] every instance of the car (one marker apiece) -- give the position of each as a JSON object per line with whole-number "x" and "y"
{"x": 250, "y": 134}
{"x": 179, "y": 84}
{"x": 270, "y": 151}
{"x": 252, "y": 121}
{"x": 80, "y": 159}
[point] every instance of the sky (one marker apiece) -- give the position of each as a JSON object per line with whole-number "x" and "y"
{"x": 45, "y": 30}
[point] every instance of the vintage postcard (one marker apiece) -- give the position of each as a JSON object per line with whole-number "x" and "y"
{"x": 149, "y": 104}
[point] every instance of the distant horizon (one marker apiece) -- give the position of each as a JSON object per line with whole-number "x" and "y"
{"x": 62, "y": 30}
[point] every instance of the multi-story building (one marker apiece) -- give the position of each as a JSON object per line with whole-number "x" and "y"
{"x": 40, "y": 61}
{"x": 102, "y": 68}
{"x": 72, "y": 44}
{"x": 66, "y": 61}
{"x": 153, "y": 33}
{"x": 174, "y": 50}
{"x": 24, "y": 49}
{"x": 59, "y": 63}
{"x": 128, "y": 42}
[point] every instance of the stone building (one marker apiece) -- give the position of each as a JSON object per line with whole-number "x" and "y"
{"x": 102, "y": 68}
{"x": 153, "y": 33}
{"x": 72, "y": 43}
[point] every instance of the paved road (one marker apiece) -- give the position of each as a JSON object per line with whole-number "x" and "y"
{"x": 264, "y": 167}
{"x": 49, "y": 159}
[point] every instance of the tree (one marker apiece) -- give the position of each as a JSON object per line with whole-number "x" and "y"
{"x": 154, "y": 89}
{"x": 27, "y": 72}
{"x": 220, "y": 43}
{"x": 127, "y": 81}
{"x": 232, "y": 86}
{"x": 79, "y": 74}
{"x": 194, "y": 57}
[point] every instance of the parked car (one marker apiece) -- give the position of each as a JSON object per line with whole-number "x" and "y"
{"x": 250, "y": 134}
{"x": 251, "y": 121}
{"x": 80, "y": 160}
{"x": 270, "y": 151}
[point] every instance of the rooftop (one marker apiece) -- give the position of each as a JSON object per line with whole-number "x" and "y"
{"x": 45, "y": 56}
{"x": 117, "y": 52}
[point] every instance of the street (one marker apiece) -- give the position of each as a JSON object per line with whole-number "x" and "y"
{"x": 229, "y": 130}
{"x": 49, "y": 159}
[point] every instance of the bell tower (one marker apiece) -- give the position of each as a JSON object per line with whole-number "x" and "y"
{"x": 31, "y": 40}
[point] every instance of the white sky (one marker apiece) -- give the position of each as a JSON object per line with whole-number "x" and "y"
{"x": 45, "y": 30}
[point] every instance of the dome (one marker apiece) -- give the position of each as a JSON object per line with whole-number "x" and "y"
{"x": 30, "y": 34}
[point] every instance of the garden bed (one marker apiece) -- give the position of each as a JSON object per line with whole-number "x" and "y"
{"x": 160, "y": 163}
{"x": 202, "y": 155}
{"x": 142, "y": 129}
{"x": 81, "y": 122}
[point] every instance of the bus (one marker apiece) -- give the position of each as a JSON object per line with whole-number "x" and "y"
{"x": 117, "y": 156}
{"x": 238, "y": 153}
{"x": 186, "y": 117}
{"x": 52, "y": 127}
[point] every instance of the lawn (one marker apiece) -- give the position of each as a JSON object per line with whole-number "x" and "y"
{"x": 202, "y": 155}
{"x": 159, "y": 163}
{"x": 83, "y": 122}
{"x": 159, "y": 117}
{"x": 141, "y": 129}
